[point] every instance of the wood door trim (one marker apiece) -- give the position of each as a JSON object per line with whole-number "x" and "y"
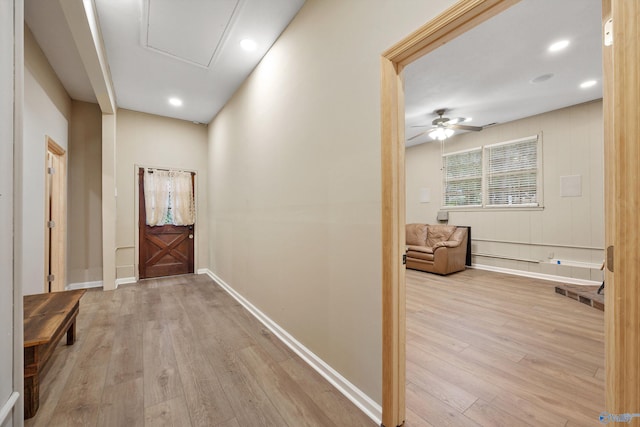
{"x": 456, "y": 20}
{"x": 59, "y": 216}
{"x": 142, "y": 215}
{"x": 622, "y": 133}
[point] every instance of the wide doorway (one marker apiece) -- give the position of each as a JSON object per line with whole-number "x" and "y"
{"x": 619, "y": 179}
{"x": 492, "y": 130}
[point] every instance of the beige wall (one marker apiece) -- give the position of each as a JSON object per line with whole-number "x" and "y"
{"x": 294, "y": 164}
{"x": 85, "y": 194}
{"x": 572, "y": 145}
{"x": 38, "y": 65}
{"x": 46, "y": 112}
{"x": 149, "y": 140}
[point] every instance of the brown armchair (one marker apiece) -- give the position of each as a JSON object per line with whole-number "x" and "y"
{"x": 440, "y": 249}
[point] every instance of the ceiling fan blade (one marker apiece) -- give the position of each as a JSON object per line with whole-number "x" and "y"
{"x": 420, "y": 126}
{"x": 418, "y": 135}
{"x": 456, "y": 120}
{"x": 465, "y": 127}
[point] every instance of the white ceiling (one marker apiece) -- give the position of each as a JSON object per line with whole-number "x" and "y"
{"x": 190, "y": 49}
{"x": 159, "y": 49}
{"x": 486, "y": 73}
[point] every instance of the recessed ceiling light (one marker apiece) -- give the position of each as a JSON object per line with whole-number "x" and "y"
{"x": 542, "y": 78}
{"x": 588, "y": 83}
{"x": 248, "y": 45}
{"x": 559, "y": 45}
{"x": 176, "y": 102}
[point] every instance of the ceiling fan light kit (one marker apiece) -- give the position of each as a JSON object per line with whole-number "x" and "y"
{"x": 441, "y": 133}
{"x": 444, "y": 127}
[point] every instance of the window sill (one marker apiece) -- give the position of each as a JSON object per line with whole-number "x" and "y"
{"x": 490, "y": 208}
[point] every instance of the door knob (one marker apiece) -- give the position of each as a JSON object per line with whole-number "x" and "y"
{"x": 191, "y": 236}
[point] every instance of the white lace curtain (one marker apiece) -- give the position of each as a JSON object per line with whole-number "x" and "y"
{"x": 168, "y": 197}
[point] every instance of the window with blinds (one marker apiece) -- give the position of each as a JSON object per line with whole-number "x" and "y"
{"x": 462, "y": 173}
{"x": 512, "y": 173}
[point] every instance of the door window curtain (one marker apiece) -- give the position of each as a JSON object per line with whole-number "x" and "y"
{"x": 168, "y": 197}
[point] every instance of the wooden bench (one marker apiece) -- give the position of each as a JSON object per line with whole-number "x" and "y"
{"x": 47, "y": 317}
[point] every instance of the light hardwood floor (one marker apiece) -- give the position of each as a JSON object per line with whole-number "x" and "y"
{"x": 497, "y": 350}
{"x": 180, "y": 351}
{"x": 482, "y": 349}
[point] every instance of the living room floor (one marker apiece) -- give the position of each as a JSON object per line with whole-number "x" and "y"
{"x": 489, "y": 349}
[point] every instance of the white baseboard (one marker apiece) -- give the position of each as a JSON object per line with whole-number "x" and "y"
{"x": 83, "y": 285}
{"x": 353, "y": 393}
{"x": 125, "y": 281}
{"x": 204, "y": 271}
{"x": 533, "y": 275}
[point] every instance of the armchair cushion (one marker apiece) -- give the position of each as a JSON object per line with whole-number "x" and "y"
{"x": 439, "y": 233}
{"x": 417, "y": 255}
{"x": 416, "y": 234}
{"x": 424, "y": 249}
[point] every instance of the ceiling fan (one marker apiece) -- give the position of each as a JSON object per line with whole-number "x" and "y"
{"x": 443, "y": 127}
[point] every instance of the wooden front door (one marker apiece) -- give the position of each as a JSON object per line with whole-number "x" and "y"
{"x": 165, "y": 250}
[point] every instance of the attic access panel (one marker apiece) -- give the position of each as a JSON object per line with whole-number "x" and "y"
{"x": 191, "y": 31}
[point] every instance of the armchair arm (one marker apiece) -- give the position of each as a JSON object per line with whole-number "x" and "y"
{"x": 450, "y": 256}
{"x": 447, "y": 244}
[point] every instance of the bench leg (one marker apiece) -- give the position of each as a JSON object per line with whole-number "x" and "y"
{"x": 31, "y": 396}
{"x": 71, "y": 333}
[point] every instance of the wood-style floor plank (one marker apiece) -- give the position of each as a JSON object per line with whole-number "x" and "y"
{"x": 122, "y": 405}
{"x": 181, "y": 352}
{"x": 161, "y": 378}
{"x": 485, "y": 414}
{"x": 528, "y": 355}
{"x": 330, "y": 400}
{"x": 433, "y": 410}
{"x": 414, "y": 420}
{"x": 126, "y": 356}
{"x": 170, "y": 413}
{"x": 295, "y": 406}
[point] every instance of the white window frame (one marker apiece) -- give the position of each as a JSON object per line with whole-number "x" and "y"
{"x": 480, "y": 176}
{"x": 486, "y": 173}
{"x": 485, "y": 194}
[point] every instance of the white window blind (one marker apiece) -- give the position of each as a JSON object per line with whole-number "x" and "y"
{"x": 463, "y": 178}
{"x": 512, "y": 172}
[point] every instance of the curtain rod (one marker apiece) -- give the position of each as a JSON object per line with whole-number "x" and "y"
{"x": 150, "y": 170}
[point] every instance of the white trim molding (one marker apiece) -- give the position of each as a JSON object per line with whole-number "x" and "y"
{"x": 125, "y": 281}
{"x": 353, "y": 393}
{"x": 8, "y": 406}
{"x": 83, "y": 285}
{"x": 542, "y": 276}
